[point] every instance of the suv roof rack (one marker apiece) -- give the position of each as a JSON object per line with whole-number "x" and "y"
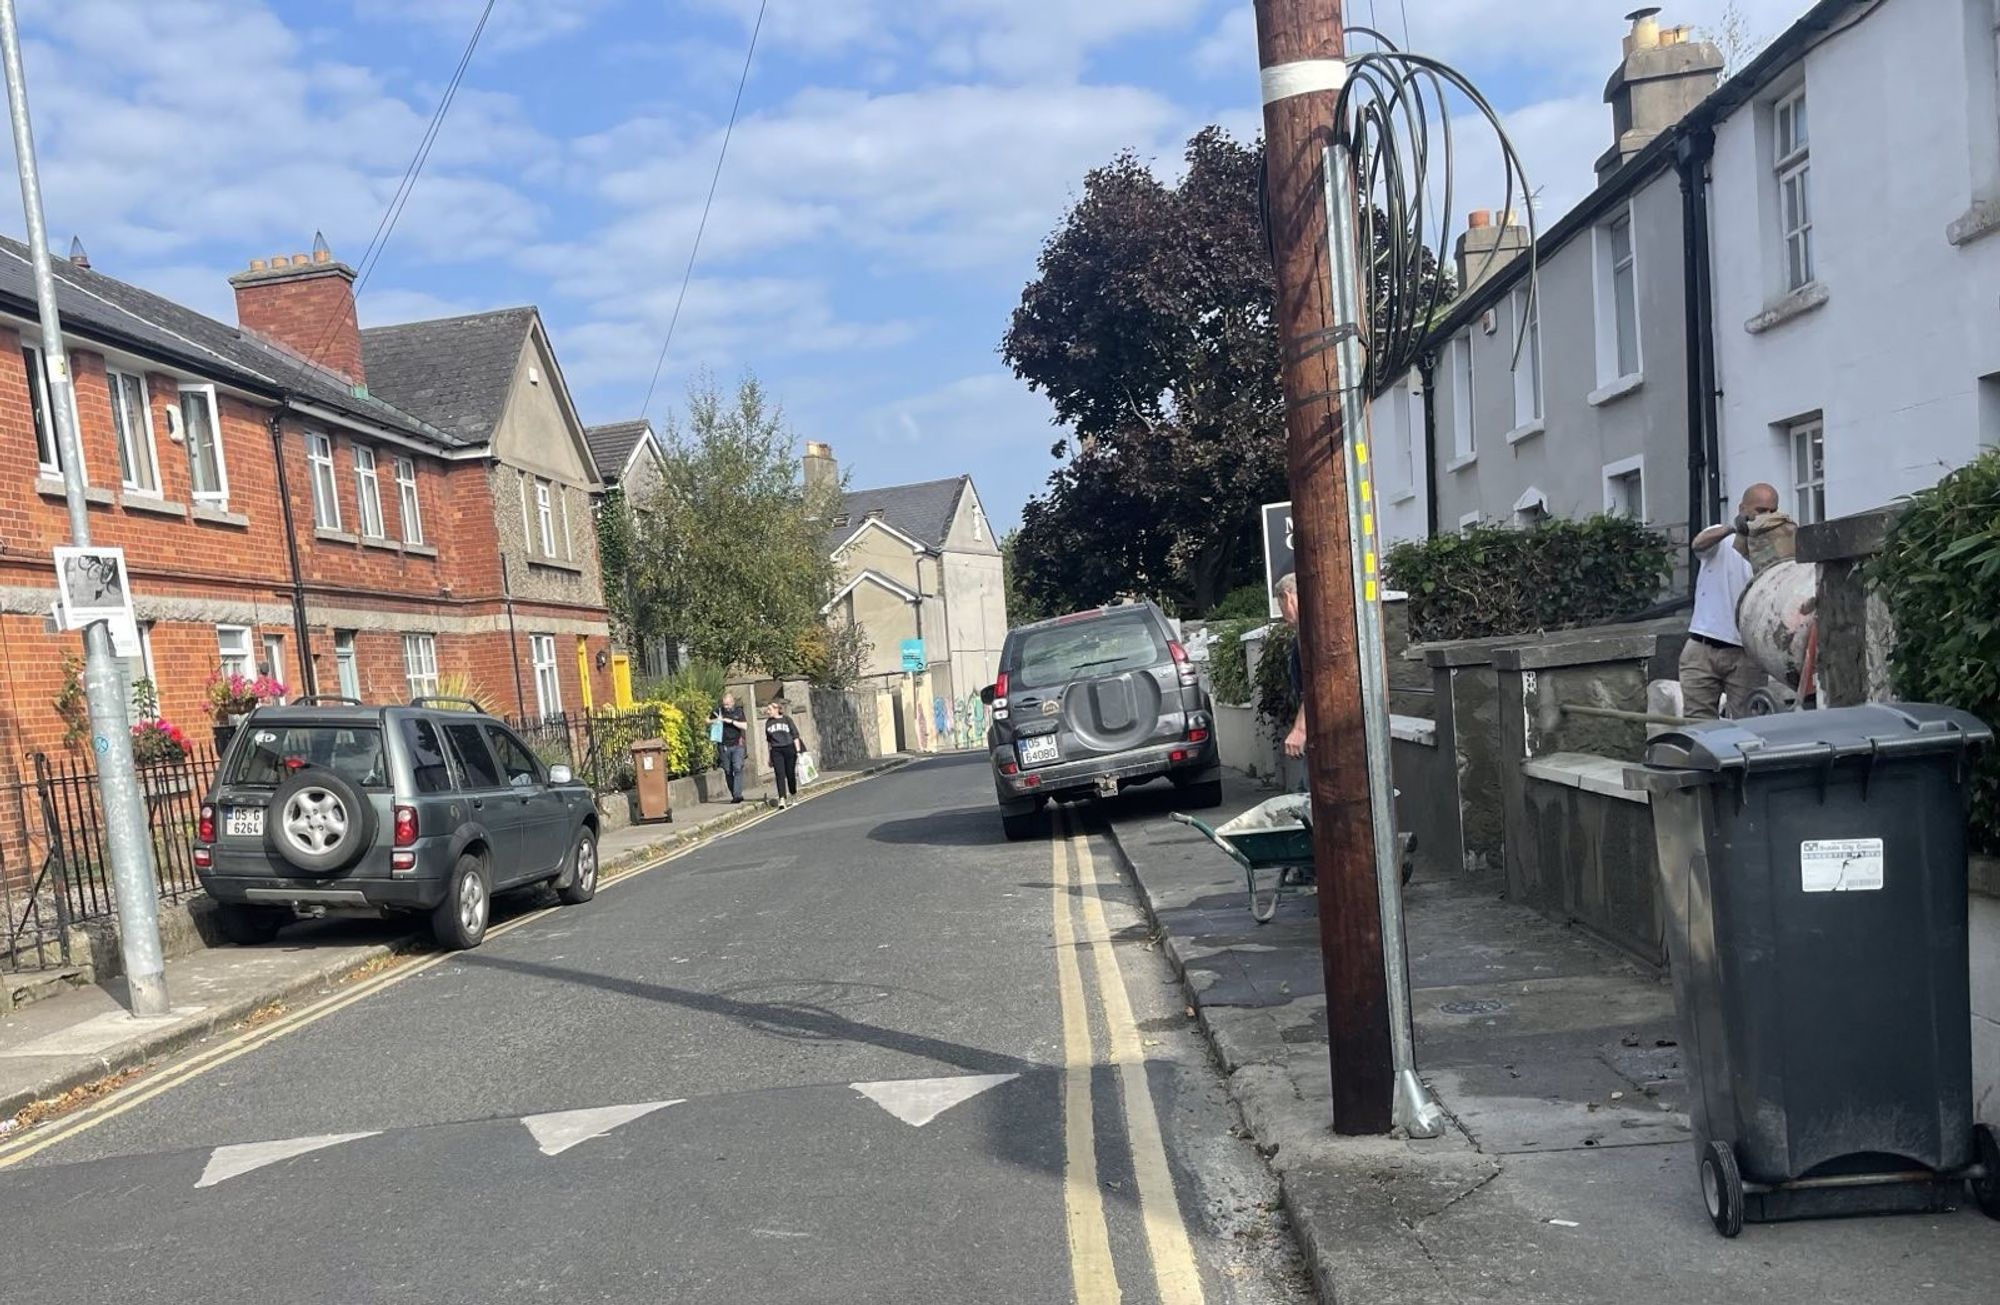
{"x": 446, "y": 700}
{"x": 322, "y": 699}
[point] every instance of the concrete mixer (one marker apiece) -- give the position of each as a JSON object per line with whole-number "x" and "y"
{"x": 1776, "y": 614}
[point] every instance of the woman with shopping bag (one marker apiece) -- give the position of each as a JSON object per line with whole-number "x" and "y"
{"x": 781, "y": 736}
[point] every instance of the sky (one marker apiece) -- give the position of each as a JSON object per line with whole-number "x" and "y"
{"x": 895, "y": 169}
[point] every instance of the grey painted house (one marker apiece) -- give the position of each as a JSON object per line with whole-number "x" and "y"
{"x": 1574, "y": 401}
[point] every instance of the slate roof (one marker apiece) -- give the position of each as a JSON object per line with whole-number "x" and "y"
{"x": 110, "y": 311}
{"x": 922, "y": 511}
{"x": 454, "y": 372}
{"x": 611, "y": 445}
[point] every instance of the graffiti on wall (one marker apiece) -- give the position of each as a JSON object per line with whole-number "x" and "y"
{"x": 970, "y": 725}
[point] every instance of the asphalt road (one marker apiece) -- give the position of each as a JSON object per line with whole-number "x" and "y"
{"x": 860, "y": 1051}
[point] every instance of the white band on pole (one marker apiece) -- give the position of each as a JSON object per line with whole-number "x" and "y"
{"x": 1285, "y": 80}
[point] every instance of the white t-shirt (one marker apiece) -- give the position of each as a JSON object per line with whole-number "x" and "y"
{"x": 1725, "y": 574}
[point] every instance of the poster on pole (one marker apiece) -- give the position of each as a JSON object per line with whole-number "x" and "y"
{"x": 92, "y": 586}
{"x": 1277, "y": 550}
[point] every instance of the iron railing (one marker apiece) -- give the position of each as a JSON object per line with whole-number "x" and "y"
{"x": 57, "y": 841}
{"x": 597, "y": 746}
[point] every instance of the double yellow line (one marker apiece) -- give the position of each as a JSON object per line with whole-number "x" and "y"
{"x": 1176, "y": 1278}
{"x": 139, "y": 1093}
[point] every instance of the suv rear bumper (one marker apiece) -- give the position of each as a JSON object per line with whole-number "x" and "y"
{"x": 1067, "y": 776}
{"x": 407, "y": 891}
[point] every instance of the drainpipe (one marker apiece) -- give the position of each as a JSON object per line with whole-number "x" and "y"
{"x": 513, "y": 641}
{"x": 299, "y": 626}
{"x": 1427, "y": 373}
{"x": 1691, "y": 157}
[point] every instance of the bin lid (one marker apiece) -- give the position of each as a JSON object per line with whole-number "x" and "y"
{"x": 1695, "y": 754}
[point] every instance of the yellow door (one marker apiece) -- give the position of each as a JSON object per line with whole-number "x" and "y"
{"x": 621, "y": 681}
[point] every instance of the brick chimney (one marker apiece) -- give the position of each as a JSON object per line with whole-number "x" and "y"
{"x": 304, "y": 304}
{"x": 1487, "y": 246}
{"x": 820, "y": 468}
{"x": 1661, "y": 76}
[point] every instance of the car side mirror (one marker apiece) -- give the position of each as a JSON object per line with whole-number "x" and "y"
{"x": 986, "y": 695}
{"x": 561, "y": 774}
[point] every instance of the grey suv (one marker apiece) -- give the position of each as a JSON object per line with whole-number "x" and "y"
{"x": 431, "y": 808}
{"x": 1091, "y": 703}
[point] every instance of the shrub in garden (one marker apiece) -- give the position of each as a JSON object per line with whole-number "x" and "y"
{"x": 1228, "y": 666}
{"x": 1491, "y": 580}
{"x": 1276, "y": 702}
{"x": 1939, "y": 574}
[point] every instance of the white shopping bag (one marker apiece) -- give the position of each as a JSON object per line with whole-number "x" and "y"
{"x": 808, "y": 769}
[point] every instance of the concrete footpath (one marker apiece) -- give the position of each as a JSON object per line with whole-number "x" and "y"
{"x": 1568, "y": 1175}
{"x": 61, "y": 1051}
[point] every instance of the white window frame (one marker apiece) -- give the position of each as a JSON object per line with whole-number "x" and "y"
{"x": 569, "y": 539}
{"x": 1792, "y": 163}
{"x": 271, "y": 659}
{"x": 409, "y": 508}
{"x": 235, "y": 653}
{"x": 1808, "y": 491}
{"x": 325, "y": 480}
{"x": 420, "y": 665}
{"x": 527, "y": 523}
{"x": 1464, "y": 380}
{"x": 1611, "y": 366}
{"x": 545, "y": 518}
{"x": 1615, "y": 472}
{"x": 368, "y": 493}
{"x": 347, "y": 663}
{"x": 1402, "y": 461}
{"x": 548, "y": 677}
{"x": 144, "y": 665}
{"x": 138, "y": 455}
{"x": 36, "y": 368}
{"x": 217, "y": 497}
{"x": 1527, "y": 367}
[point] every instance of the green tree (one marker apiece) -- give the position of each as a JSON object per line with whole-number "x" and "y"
{"x": 733, "y": 561}
{"x": 1150, "y": 327}
{"x": 614, "y": 558}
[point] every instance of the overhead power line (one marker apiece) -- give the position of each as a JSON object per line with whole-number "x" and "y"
{"x": 702, "y": 226}
{"x": 384, "y": 229}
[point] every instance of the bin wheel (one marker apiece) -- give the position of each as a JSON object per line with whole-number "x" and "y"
{"x": 1986, "y": 1150}
{"x": 1722, "y": 1188}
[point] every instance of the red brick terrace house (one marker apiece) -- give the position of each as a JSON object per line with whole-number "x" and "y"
{"x": 280, "y": 513}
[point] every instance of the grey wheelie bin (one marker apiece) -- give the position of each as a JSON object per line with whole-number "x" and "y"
{"x": 1813, "y": 874}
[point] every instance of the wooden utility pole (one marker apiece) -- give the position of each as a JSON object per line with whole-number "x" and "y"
{"x": 1299, "y": 50}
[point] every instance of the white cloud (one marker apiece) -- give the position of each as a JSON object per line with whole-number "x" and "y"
{"x": 149, "y": 155}
{"x": 390, "y": 305}
{"x": 1566, "y": 43}
{"x": 1230, "y": 48}
{"x": 515, "y": 24}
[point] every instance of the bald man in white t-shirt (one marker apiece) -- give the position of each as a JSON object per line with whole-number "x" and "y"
{"x": 1714, "y": 665}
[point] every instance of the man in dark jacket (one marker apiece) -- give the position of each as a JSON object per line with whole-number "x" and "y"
{"x": 729, "y": 751}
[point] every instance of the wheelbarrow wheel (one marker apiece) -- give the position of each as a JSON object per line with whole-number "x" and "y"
{"x": 1722, "y": 1188}
{"x": 1986, "y": 1188}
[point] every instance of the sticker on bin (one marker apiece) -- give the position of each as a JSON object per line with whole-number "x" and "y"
{"x": 1840, "y": 865}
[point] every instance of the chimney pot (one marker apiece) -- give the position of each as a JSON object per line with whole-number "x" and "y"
{"x": 257, "y": 265}
{"x": 298, "y": 260}
{"x": 1479, "y": 217}
{"x": 304, "y": 305}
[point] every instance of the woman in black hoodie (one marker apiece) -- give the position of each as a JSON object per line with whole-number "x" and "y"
{"x": 782, "y": 737}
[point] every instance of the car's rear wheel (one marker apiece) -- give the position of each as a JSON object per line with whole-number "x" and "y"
{"x": 247, "y": 926}
{"x": 459, "y": 921}
{"x": 1029, "y": 824}
{"x": 579, "y": 884}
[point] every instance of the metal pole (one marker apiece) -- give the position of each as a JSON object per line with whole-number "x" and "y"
{"x": 1414, "y": 1111}
{"x": 513, "y": 642}
{"x": 126, "y": 834}
{"x": 1303, "y": 67}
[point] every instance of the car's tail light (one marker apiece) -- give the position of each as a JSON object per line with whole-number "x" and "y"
{"x": 400, "y": 862}
{"x": 1177, "y": 755}
{"x": 1000, "y": 696}
{"x": 1189, "y": 675}
{"x": 406, "y": 826}
{"x": 1009, "y": 768}
{"x": 1197, "y": 735}
{"x": 204, "y": 828}
{"x": 203, "y": 858}
{"x": 1034, "y": 781}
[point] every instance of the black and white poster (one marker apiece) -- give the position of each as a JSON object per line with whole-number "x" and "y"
{"x": 1277, "y": 549}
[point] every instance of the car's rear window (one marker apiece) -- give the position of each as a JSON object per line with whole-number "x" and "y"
{"x": 271, "y": 753}
{"x": 1106, "y": 645}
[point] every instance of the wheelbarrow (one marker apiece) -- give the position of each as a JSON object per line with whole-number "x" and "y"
{"x": 1276, "y": 836}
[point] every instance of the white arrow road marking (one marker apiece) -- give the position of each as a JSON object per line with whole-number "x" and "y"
{"x": 917, "y": 1101}
{"x": 226, "y": 1162}
{"x": 560, "y": 1130}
